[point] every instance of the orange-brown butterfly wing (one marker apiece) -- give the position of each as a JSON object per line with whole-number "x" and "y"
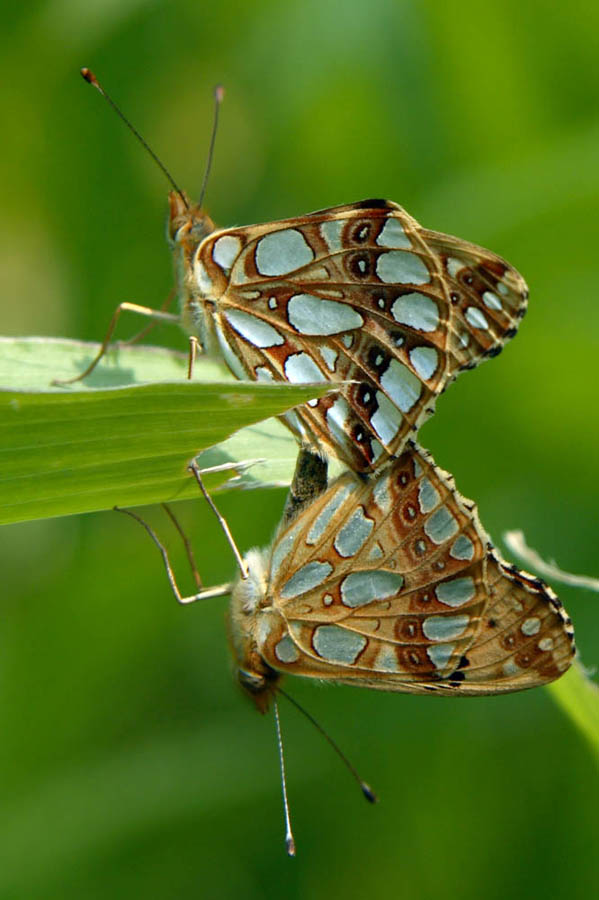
{"x": 391, "y": 585}
{"x": 356, "y": 293}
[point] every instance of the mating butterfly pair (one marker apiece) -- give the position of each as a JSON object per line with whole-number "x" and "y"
{"x": 391, "y": 582}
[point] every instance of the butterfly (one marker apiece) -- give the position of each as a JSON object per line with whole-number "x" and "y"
{"x": 391, "y": 583}
{"x": 359, "y": 293}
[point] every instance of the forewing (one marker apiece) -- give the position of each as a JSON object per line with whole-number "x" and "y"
{"x": 356, "y": 293}
{"x": 391, "y": 585}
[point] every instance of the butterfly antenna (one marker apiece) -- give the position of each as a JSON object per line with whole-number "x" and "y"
{"x": 89, "y": 76}
{"x": 221, "y": 520}
{"x": 289, "y": 839}
{"x": 219, "y": 93}
{"x": 364, "y": 787}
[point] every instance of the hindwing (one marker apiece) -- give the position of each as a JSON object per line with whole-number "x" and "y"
{"x": 393, "y": 584}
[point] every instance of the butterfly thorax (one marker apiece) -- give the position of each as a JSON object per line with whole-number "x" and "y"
{"x": 251, "y": 620}
{"x": 188, "y": 225}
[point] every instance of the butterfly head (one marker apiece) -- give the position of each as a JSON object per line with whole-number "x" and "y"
{"x": 188, "y": 224}
{"x": 250, "y": 622}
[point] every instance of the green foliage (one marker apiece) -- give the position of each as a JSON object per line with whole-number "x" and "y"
{"x": 79, "y": 449}
{"x": 579, "y": 696}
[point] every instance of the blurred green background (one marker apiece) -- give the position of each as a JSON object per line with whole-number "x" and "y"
{"x": 130, "y": 766}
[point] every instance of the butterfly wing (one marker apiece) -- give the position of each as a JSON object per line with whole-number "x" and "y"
{"x": 524, "y": 639}
{"x": 357, "y": 293}
{"x": 391, "y": 585}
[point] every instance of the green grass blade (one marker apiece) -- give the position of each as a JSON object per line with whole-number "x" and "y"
{"x": 579, "y": 698}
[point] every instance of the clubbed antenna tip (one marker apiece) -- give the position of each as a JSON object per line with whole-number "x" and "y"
{"x": 368, "y": 792}
{"x": 89, "y": 76}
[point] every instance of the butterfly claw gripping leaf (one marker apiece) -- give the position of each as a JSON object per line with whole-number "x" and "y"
{"x": 357, "y": 293}
{"x": 392, "y": 584}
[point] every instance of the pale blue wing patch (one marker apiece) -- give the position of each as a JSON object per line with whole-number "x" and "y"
{"x": 440, "y": 654}
{"x": 417, "y": 311}
{"x": 316, "y": 316}
{"x": 301, "y": 369}
{"x": 401, "y": 385}
{"x": 456, "y": 592}
{"x": 254, "y": 330}
{"x": 440, "y": 526}
{"x": 354, "y": 534}
{"x": 462, "y": 548}
{"x": 325, "y": 515}
{"x": 225, "y": 250}
{"x": 360, "y": 588}
{"x": 306, "y": 579}
{"x": 393, "y": 235}
{"x": 428, "y": 496}
{"x": 401, "y": 267}
{"x": 282, "y": 252}
{"x": 445, "y": 628}
{"x": 425, "y": 361}
{"x": 387, "y": 419}
{"x": 336, "y": 644}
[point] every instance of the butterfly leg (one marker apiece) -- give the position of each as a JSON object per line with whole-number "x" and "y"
{"x": 146, "y": 330}
{"x": 193, "y": 349}
{"x": 195, "y": 470}
{"x": 156, "y": 314}
{"x": 186, "y": 543}
{"x": 217, "y": 591}
{"x": 309, "y": 481}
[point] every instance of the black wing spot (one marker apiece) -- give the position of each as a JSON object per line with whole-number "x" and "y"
{"x": 493, "y": 351}
{"x": 375, "y": 203}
